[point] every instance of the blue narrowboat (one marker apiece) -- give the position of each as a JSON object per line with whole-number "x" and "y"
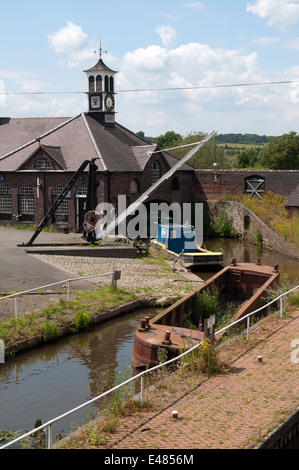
{"x": 179, "y": 242}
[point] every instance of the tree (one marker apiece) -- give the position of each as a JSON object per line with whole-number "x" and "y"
{"x": 169, "y": 139}
{"x": 281, "y": 153}
{"x": 206, "y": 156}
{"x": 248, "y": 158}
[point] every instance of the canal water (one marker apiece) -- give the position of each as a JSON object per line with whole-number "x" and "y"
{"x": 48, "y": 381}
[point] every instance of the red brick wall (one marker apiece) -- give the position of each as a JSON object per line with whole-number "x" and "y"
{"x": 210, "y": 184}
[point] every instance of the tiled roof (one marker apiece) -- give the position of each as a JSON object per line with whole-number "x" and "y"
{"x": 72, "y": 140}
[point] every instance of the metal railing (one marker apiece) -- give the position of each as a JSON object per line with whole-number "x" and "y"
{"x": 115, "y": 277}
{"x": 141, "y": 375}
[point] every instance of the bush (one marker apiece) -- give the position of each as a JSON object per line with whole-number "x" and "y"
{"x": 221, "y": 226}
{"x": 205, "y": 305}
{"x": 82, "y": 320}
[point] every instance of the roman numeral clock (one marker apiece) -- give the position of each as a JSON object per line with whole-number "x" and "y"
{"x": 101, "y": 95}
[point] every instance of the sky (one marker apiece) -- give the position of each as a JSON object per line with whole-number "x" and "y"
{"x": 179, "y": 62}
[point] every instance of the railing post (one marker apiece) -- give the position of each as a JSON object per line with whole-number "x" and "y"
{"x": 142, "y": 389}
{"x": 280, "y": 300}
{"x": 248, "y": 328}
{"x": 50, "y": 438}
{"x": 68, "y": 289}
{"x": 16, "y": 307}
{"x": 115, "y": 277}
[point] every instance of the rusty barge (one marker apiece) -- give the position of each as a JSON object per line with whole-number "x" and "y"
{"x": 247, "y": 282}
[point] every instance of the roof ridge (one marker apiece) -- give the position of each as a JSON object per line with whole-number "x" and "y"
{"x": 94, "y": 142}
{"x": 37, "y": 139}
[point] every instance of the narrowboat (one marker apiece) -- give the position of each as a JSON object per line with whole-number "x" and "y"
{"x": 179, "y": 243}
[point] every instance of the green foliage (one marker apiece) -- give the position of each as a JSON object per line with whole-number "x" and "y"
{"x": 221, "y": 226}
{"x": 271, "y": 210}
{"x": 281, "y": 153}
{"x": 248, "y": 139}
{"x": 82, "y": 321}
{"x": 169, "y": 139}
{"x": 206, "y": 303}
{"x": 248, "y": 158}
{"x": 257, "y": 238}
{"x": 50, "y": 331}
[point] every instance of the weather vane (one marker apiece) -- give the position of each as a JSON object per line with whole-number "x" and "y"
{"x": 100, "y": 50}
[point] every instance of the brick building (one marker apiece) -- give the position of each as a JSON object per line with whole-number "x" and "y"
{"x": 39, "y": 156}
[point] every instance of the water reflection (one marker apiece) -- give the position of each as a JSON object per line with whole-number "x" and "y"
{"x": 50, "y": 380}
{"x": 248, "y": 253}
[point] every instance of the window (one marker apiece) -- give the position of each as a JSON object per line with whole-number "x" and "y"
{"x": 91, "y": 84}
{"x": 175, "y": 184}
{"x": 156, "y": 172}
{"x": 81, "y": 190}
{"x": 62, "y": 212}
{"x": 111, "y": 84}
{"x": 26, "y": 203}
{"x": 106, "y": 83}
{"x": 255, "y": 185}
{"x": 99, "y": 83}
{"x": 134, "y": 187}
{"x": 5, "y": 202}
{"x": 42, "y": 164}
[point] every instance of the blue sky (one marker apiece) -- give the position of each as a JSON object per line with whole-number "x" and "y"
{"x": 181, "y": 52}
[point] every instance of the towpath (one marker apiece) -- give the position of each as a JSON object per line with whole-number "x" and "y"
{"x": 235, "y": 410}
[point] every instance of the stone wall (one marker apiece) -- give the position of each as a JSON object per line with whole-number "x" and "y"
{"x": 245, "y": 222}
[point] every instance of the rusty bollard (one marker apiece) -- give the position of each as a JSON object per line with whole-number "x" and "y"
{"x": 167, "y": 339}
{"x": 142, "y": 325}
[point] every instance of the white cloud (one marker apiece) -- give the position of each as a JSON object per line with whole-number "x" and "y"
{"x": 195, "y": 5}
{"x": 167, "y": 34}
{"x": 71, "y": 40}
{"x": 68, "y": 39}
{"x": 282, "y": 14}
{"x": 266, "y": 40}
{"x": 196, "y": 66}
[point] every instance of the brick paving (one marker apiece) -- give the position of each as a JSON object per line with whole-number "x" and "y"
{"x": 235, "y": 410}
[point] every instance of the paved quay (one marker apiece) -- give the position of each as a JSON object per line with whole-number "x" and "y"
{"x": 234, "y": 410}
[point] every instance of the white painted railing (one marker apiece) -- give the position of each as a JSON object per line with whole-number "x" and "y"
{"x": 115, "y": 277}
{"x": 141, "y": 375}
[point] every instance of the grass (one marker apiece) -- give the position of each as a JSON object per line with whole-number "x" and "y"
{"x": 50, "y": 321}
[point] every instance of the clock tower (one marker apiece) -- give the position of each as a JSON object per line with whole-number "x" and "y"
{"x": 101, "y": 95}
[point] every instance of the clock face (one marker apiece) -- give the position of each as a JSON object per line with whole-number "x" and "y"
{"x": 109, "y": 102}
{"x": 95, "y": 101}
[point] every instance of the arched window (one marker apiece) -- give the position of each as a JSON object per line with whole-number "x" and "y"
{"x": 156, "y": 172}
{"x": 42, "y": 163}
{"x": 81, "y": 190}
{"x": 91, "y": 84}
{"x": 106, "y": 83}
{"x": 134, "y": 187}
{"x": 26, "y": 203}
{"x": 175, "y": 184}
{"x": 255, "y": 185}
{"x": 61, "y": 215}
{"x": 99, "y": 83}
{"x": 111, "y": 84}
{"x": 5, "y": 202}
